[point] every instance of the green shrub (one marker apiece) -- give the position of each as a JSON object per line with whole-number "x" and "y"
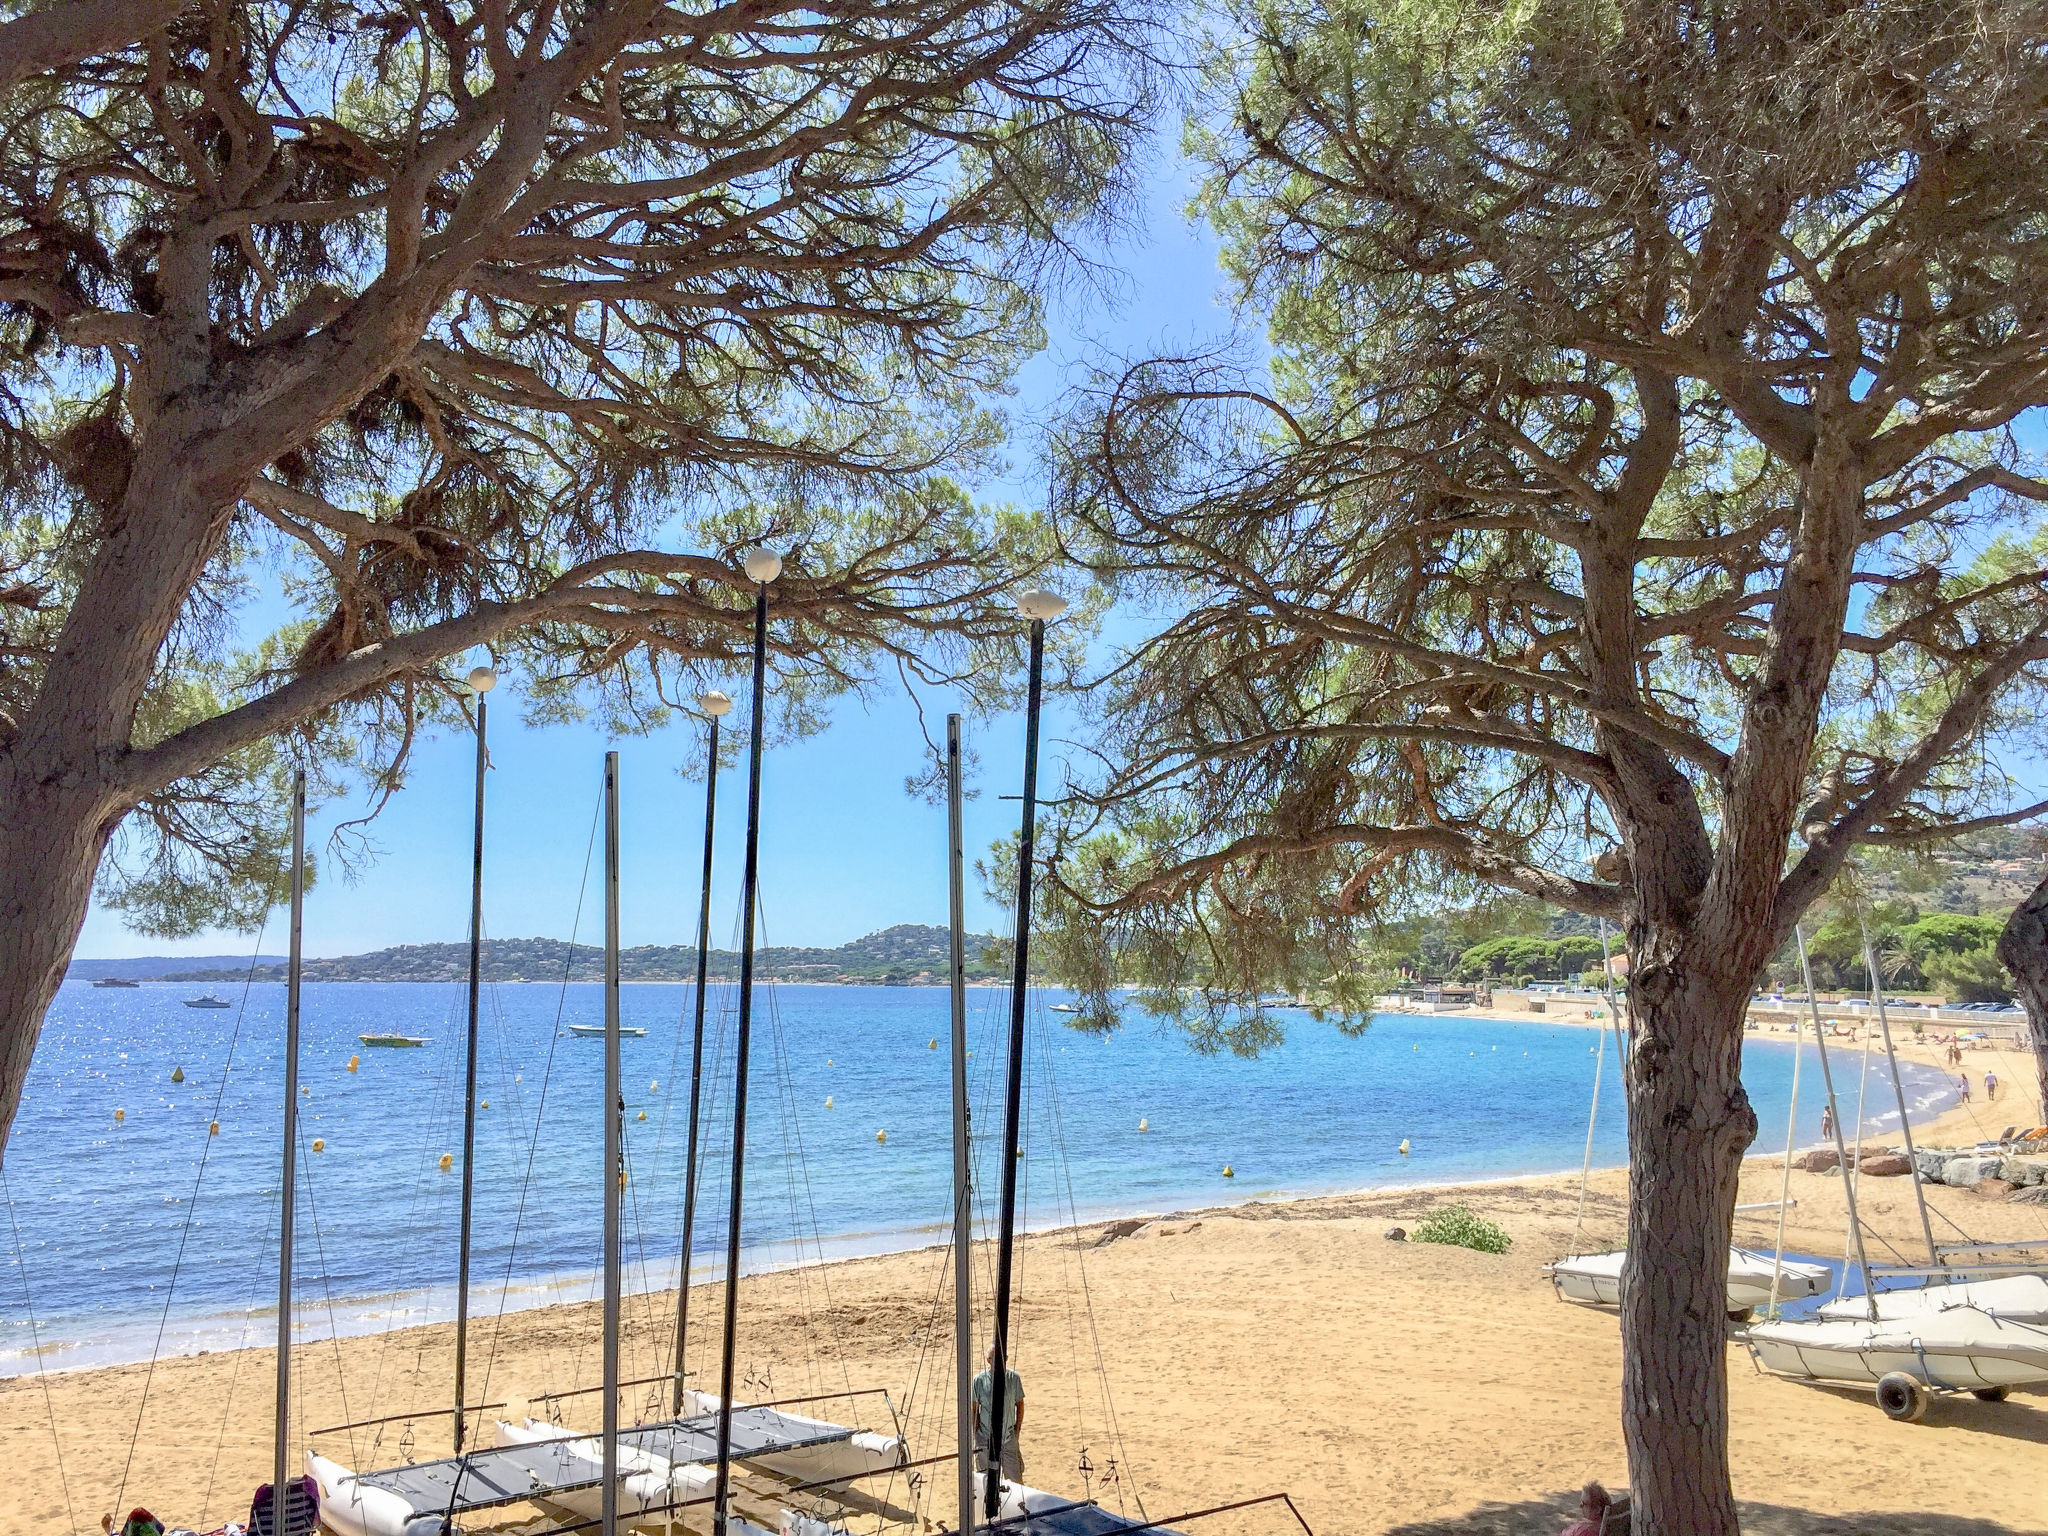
{"x": 1461, "y": 1228}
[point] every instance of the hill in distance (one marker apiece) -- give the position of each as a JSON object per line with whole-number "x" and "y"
{"x": 910, "y": 954}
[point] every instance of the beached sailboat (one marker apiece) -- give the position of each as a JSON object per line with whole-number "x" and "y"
{"x": 1956, "y": 1349}
{"x": 1595, "y": 1278}
{"x": 2011, "y": 1298}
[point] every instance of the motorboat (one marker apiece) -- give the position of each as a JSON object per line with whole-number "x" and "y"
{"x": 596, "y": 1031}
{"x": 1954, "y": 1349}
{"x": 2014, "y": 1298}
{"x": 1595, "y": 1279}
{"x": 122, "y": 982}
{"x": 208, "y": 1001}
{"x": 394, "y": 1042}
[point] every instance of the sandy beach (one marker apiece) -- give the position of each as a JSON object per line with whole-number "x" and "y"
{"x": 1385, "y": 1386}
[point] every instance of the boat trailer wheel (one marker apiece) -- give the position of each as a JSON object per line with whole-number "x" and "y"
{"x": 1741, "y": 1314}
{"x": 1901, "y": 1397}
{"x": 1991, "y": 1394}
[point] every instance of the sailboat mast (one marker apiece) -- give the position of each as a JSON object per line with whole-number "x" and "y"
{"x": 480, "y": 682}
{"x": 714, "y": 704}
{"x": 613, "y": 1163}
{"x": 963, "y": 1204}
{"x": 281, "y": 1450}
{"x": 1884, "y": 1023}
{"x": 763, "y": 566}
{"x": 1827, "y": 1075}
{"x": 1038, "y": 607}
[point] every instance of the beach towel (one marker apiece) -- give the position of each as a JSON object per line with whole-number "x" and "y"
{"x": 141, "y": 1522}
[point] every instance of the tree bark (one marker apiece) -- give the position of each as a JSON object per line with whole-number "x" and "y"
{"x": 2023, "y": 951}
{"x": 1689, "y": 1122}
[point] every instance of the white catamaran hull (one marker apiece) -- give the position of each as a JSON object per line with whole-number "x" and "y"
{"x": 1958, "y": 1349}
{"x": 2016, "y": 1299}
{"x": 349, "y": 1509}
{"x": 646, "y": 1480}
{"x": 1595, "y": 1278}
{"x": 864, "y": 1452}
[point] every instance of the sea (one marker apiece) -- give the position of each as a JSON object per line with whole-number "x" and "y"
{"x": 143, "y": 1174}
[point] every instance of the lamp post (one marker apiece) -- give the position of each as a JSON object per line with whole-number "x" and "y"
{"x": 1038, "y": 607}
{"x": 762, "y": 567}
{"x": 481, "y": 681}
{"x": 715, "y": 703}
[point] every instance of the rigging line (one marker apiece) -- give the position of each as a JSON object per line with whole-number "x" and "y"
{"x": 1592, "y": 1119}
{"x": 35, "y": 1345}
{"x": 191, "y": 1209}
{"x": 1064, "y": 1169}
{"x": 541, "y": 1104}
{"x": 234, "y": 1374}
{"x": 326, "y": 1287}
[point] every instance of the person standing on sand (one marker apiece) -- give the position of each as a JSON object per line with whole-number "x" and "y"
{"x": 1964, "y": 1079}
{"x": 984, "y": 1416}
{"x": 1990, "y": 1085}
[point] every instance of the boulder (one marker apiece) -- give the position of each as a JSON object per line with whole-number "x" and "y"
{"x": 1164, "y": 1228}
{"x": 1821, "y": 1160}
{"x": 1885, "y": 1165}
{"x": 2036, "y": 1195}
{"x": 1993, "y": 1189}
{"x": 1933, "y": 1164}
{"x": 2023, "y": 1172}
{"x": 1969, "y": 1172}
{"x": 1397, "y": 1234}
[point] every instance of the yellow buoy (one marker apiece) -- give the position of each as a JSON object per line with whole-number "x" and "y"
{"x": 1229, "y": 1172}
{"x": 828, "y": 1061}
{"x": 447, "y": 1161}
{"x": 485, "y": 1105}
{"x": 177, "y": 1074}
{"x": 935, "y": 1043}
{"x": 354, "y": 1062}
{"x": 1144, "y": 1125}
{"x": 643, "y": 1116}
{"x": 654, "y": 1086}
{"x": 828, "y": 1101}
{"x": 307, "y": 1092}
{"x": 319, "y": 1145}
{"x": 1404, "y": 1146}
{"x": 213, "y": 1128}
{"x": 1417, "y": 1047}
{"x": 881, "y": 1136}
{"x": 120, "y": 1115}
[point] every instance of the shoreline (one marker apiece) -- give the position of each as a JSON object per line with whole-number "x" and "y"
{"x": 1280, "y": 1306}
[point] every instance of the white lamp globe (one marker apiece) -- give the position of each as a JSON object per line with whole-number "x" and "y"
{"x": 1040, "y": 604}
{"x": 762, "y": 565}
{"x": 482, "y": 680}
{"x": 714, "y": 702}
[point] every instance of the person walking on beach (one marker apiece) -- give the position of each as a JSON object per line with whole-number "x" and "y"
{"x": 1964, "y": 1079}
{"x": 1990, "y": 1085}
{"x": 984, "y": 1417}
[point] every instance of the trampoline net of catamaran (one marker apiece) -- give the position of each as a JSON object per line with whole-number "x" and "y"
{"x": 506, "y": 1474}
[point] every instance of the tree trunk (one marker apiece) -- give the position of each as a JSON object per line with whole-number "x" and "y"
{"x": 2023, "y": 951}
{"x": 1689, "y": 1122}
{"x": 51, "y": 839}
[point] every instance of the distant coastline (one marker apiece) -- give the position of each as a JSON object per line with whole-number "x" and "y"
{"x": 909, "y": 954}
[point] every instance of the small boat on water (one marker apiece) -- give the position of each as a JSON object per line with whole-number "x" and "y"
{"x": 396, "y": 1042}
{"x": 1065, "y": 1008}
{"x": 1595, "y": 1278}
{"x": 208, "y": 1001}
{"x": 596, "y": 1031}
{"x": 2014, "y": 1299}
{"x": 1957, "y": 1349}
{"x": 115, "y": 981}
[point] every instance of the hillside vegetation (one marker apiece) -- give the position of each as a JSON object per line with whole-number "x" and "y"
{"x": 907, "y": 954}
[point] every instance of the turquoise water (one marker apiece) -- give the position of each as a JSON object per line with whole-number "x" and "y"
{"x": 102, "y": 1209}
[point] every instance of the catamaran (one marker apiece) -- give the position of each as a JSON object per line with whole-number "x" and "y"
{"x": 1595, "y": 1278}
{"x": 2011, "y": 1298}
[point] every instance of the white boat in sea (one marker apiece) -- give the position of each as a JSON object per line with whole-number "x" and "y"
{"x": 1595, "y": 1278}
{"x": 394, "y": 1042}
{"x": 596, "y": 1031}
{"x": 208, "y": 1001}
{"x": 2014, "y": 1298}
{"x": 1956, "y": 1349}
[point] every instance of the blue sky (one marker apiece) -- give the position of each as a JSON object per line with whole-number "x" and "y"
{"x": 844, "y": 850}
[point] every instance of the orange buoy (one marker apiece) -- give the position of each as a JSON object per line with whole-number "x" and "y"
{"x": 881, "y": 1136}
{"x": 354, "y": 1062}
{"x": 213, "y": 1128}
{"x": 319, "y": 1145}
{"x": 447, "y": 1161}
{"x": 120, "y": 1115}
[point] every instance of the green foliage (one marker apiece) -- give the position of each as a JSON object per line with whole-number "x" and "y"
{"x": 1969, "y": 976}
{"x": 1950, "y": 933}
{"x": 1461, "y": 1227}
{"x": 1515, "y": 955}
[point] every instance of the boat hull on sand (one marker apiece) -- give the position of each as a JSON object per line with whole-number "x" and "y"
{"x": 858, "y": 1454}
{"x": 1959, "y": 1349}
{"x": 1595, "y": 1279}
{"x": 2016, "y": 1299}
